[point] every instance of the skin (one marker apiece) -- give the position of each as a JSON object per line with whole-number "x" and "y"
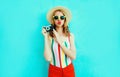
{"x": 60, "y": 38}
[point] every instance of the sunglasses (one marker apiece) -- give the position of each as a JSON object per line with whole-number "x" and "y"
{"x": 59, "y": 17}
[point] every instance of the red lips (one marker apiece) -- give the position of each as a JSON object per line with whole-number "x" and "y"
{"x": 59, "y": 22}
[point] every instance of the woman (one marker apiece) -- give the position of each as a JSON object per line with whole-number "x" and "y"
{"x": 59, "y": 47}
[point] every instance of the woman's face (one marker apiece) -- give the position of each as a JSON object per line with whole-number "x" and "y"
{"x": 59, "y": 19}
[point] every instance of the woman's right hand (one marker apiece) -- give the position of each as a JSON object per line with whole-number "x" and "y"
{"x": 44, "y": 32}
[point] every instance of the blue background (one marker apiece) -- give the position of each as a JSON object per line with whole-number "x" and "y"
{"x": 95, "y": 24}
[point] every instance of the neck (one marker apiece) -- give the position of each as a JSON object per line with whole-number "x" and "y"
{"x": 59, "y": 30}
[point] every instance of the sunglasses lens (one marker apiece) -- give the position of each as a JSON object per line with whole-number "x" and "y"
{"x": 55, "y": 17}
{"x": 62, "y": 17}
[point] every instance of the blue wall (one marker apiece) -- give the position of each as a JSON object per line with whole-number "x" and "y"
{"x": 95, "y": 24}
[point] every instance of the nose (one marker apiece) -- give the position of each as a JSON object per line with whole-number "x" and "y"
{"x": 58, "y": 18}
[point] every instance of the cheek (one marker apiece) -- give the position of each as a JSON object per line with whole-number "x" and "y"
{"x": 62, "y": 22}
{"x": 55, "y": 22}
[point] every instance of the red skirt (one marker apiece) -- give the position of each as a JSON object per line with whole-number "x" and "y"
{"x": 61, "y": 72}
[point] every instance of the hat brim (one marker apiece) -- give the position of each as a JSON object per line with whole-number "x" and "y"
{"x": 65, "y": 10}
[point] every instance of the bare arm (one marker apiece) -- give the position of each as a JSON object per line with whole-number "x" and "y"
{"x": 72, "y": 51}
{"x": 47, "y": 49}
{"x": 69, "y": 52}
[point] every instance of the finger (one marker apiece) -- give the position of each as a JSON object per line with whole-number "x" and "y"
{"x": 44, "y": 30}
{"x": 54, "y": 31}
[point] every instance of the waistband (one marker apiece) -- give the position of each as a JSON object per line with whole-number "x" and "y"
{"x": 70, "y": 66}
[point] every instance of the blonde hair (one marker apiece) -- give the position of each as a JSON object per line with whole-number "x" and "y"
{"x": 65, "y": 25}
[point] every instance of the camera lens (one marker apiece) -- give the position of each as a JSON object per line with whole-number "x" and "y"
{"x": 48, "y": 28}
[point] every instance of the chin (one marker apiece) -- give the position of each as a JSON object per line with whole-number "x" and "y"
{"x": 59, "y": 25}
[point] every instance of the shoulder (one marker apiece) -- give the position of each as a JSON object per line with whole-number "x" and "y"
{"x": 71, "y": 35}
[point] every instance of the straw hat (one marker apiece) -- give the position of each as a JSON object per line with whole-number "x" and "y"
{"x": 65, "y": 11}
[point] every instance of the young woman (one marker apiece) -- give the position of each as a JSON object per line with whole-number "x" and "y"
{"x": 59, "y": 47}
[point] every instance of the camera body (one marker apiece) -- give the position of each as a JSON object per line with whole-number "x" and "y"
{"x": 49, "y": 28}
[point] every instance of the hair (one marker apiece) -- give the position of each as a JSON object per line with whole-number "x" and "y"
{"x": 66, "y": 30}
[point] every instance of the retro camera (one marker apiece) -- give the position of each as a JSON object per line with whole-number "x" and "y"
{"x": 49, "y": 28}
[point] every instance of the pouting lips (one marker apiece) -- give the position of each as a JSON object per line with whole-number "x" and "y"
{"x": 59, "y": 22}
